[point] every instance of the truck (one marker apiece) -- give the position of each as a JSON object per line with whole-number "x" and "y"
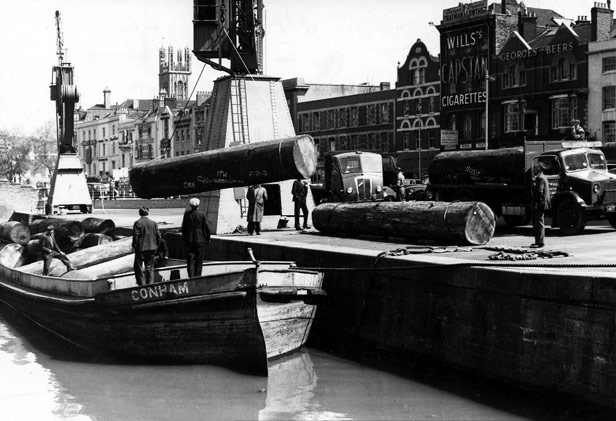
{"x": 352, "y": 177}
{"x": 581, "y": 187}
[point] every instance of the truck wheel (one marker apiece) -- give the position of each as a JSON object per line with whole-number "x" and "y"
{"x": 571, "y": 218}
{"x": 611, "y": 218}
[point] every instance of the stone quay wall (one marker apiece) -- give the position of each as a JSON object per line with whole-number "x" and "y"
{"x": 552, "y": 331}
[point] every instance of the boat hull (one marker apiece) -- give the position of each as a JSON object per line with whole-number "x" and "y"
{"x": 238, "y": 315}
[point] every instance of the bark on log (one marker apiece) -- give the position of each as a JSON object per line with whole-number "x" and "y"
{"x": 99, "y": 226}
{"x": 34, "y": 247}
{"x": 63, "y": 227}
{"x": 262, "y": 162}
{"x": 85, "y": 258}
{"x": 122, "y": 264}
{"x": 92, "y": 239}
{"x": 495, "y": 166}
{"x": 458, "y": 223}
{"x": 14, "y": 232}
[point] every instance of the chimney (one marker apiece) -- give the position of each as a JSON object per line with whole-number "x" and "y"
{"x": 600, "y": 22}
{"x": 106, "y": 98}
{"x": 527, "y": 26}
{"x": 385, "y": 86}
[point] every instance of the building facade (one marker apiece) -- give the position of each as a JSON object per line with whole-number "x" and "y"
{"x": 417, "y": 133}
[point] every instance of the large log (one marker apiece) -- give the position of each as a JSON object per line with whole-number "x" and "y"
{"x": 14, "y": 232}
{"x": 85, "y": 258}
{"x": 104, "y": 270}
{"x": 458, "y": 223}
{"x": 63, "y": 227}
{"x": 92, "y": 239}
{"x": 237, "y": 166}
{"x": 98, "y": 226}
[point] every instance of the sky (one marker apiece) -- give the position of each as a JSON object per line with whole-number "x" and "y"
{"x": 114, "y": 44}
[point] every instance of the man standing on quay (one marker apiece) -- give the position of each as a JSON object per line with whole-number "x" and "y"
{"x": 540, "y": 203}
{"x": 146, "y": 239}
{"x": 299, "y": 192}
{"x": 196, "y": 234}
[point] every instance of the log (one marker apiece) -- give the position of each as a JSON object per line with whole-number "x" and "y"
{"x": 117, "y": 266}
{"x": 494, "y": 166}
{"x": 12, "y": 255}
{"x": 34, "y": 247}
{"x": 92, "y": 239}
{"x": 261, "y": 162}
{"x": 99, "y": 226}
{"x": 85, "y": 258}
{"x": 63, "y": 227}
{"x": 455, "y": 223}
{"x": 14, "y": 232}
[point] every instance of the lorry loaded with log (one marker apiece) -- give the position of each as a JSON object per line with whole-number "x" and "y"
{"x": 580, "y": 185}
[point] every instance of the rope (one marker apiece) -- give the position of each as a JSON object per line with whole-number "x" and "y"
{"x": 525, "y": 264}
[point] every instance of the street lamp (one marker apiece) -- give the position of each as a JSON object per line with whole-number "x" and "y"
{"x": 419, "y": 133}
{"x": 488, "y": 80}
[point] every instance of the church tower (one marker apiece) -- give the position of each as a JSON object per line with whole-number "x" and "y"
{"x": 173, "y": 72}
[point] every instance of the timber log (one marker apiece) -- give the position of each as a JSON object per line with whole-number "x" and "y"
{"x": 236, "y": 166}
{"x": 457, "y": 223}
{"x": 14, "y": 232}
{"x": 63, "y": 227}
{"x": 98, "y": 226}
{"x": 92, "y": 239}
{"x": 85, "y": 258}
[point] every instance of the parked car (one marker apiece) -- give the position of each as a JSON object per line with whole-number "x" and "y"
{"x": 98, "y": 190}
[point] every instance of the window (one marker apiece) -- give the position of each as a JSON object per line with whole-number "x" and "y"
{"x": 563, "y": 69}
{"x": 431, "y": 103}
{"x": 609, "y": 64}
{"x": 103, "y": 133}
{"x": 432, "y": 138}
{"x": 513, "y": 77}
{"x": 418, "y": 71}
{"x": 513, "y": 117}
{"x": 385, "y": 142}
{"x": 342, "y": 117}
{"x": 406, "y": 140}
{"x": 609, "y": 97}
{"x": 371, "y": 141}
{"x": 331, "y": 119}
{"x": 564, "y": 109}
{"x": 372, "y": 114}
{"x": 316, "y": 121}
{"x": 406, "y": 107}
{"x": 344, "y": 143}
{"x": 385, "y": 113}
{"x": 468, "y": 127}
{"x": 609, "y": 131}
{"x": 354, "y": 116}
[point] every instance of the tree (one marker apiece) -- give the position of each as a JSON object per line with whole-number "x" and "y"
{"x": 15, "y": 156}
{"x": 45, "y": 148}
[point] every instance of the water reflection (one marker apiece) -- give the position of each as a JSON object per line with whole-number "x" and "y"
{"x": 40, "y": 381}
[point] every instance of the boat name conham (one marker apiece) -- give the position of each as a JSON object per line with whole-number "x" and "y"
{"x": 159, "y": 291}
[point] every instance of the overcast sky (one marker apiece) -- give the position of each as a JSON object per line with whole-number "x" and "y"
{"x": 114, "y": 44}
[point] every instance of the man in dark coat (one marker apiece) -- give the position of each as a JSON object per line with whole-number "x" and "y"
{"x": 540, "y": 203}
{"x": 299, "y": 192}
{"x": 146, "y": 239}
{"x": 51, "y": 250}
{"x": 196, "y": 234}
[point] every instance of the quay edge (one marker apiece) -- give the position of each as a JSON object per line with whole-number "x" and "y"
{"x": 549, "y": 331}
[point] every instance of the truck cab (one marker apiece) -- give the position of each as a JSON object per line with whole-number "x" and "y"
{"x": 581, "y": 187}
{"x": 353, "y": 177}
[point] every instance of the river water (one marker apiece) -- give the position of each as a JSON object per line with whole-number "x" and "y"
{"x": 41, "y": 381}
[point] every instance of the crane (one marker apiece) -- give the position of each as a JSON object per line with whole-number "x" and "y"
{"x": 69, "y": 188}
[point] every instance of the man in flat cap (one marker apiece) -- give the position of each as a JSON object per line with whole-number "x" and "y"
{"x": 195, "y": 234}
{"x": 146, "y": 239}
{"x": 51, "y": 250}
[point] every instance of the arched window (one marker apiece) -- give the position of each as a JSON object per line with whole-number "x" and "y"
{"x": 563, "y": 68}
